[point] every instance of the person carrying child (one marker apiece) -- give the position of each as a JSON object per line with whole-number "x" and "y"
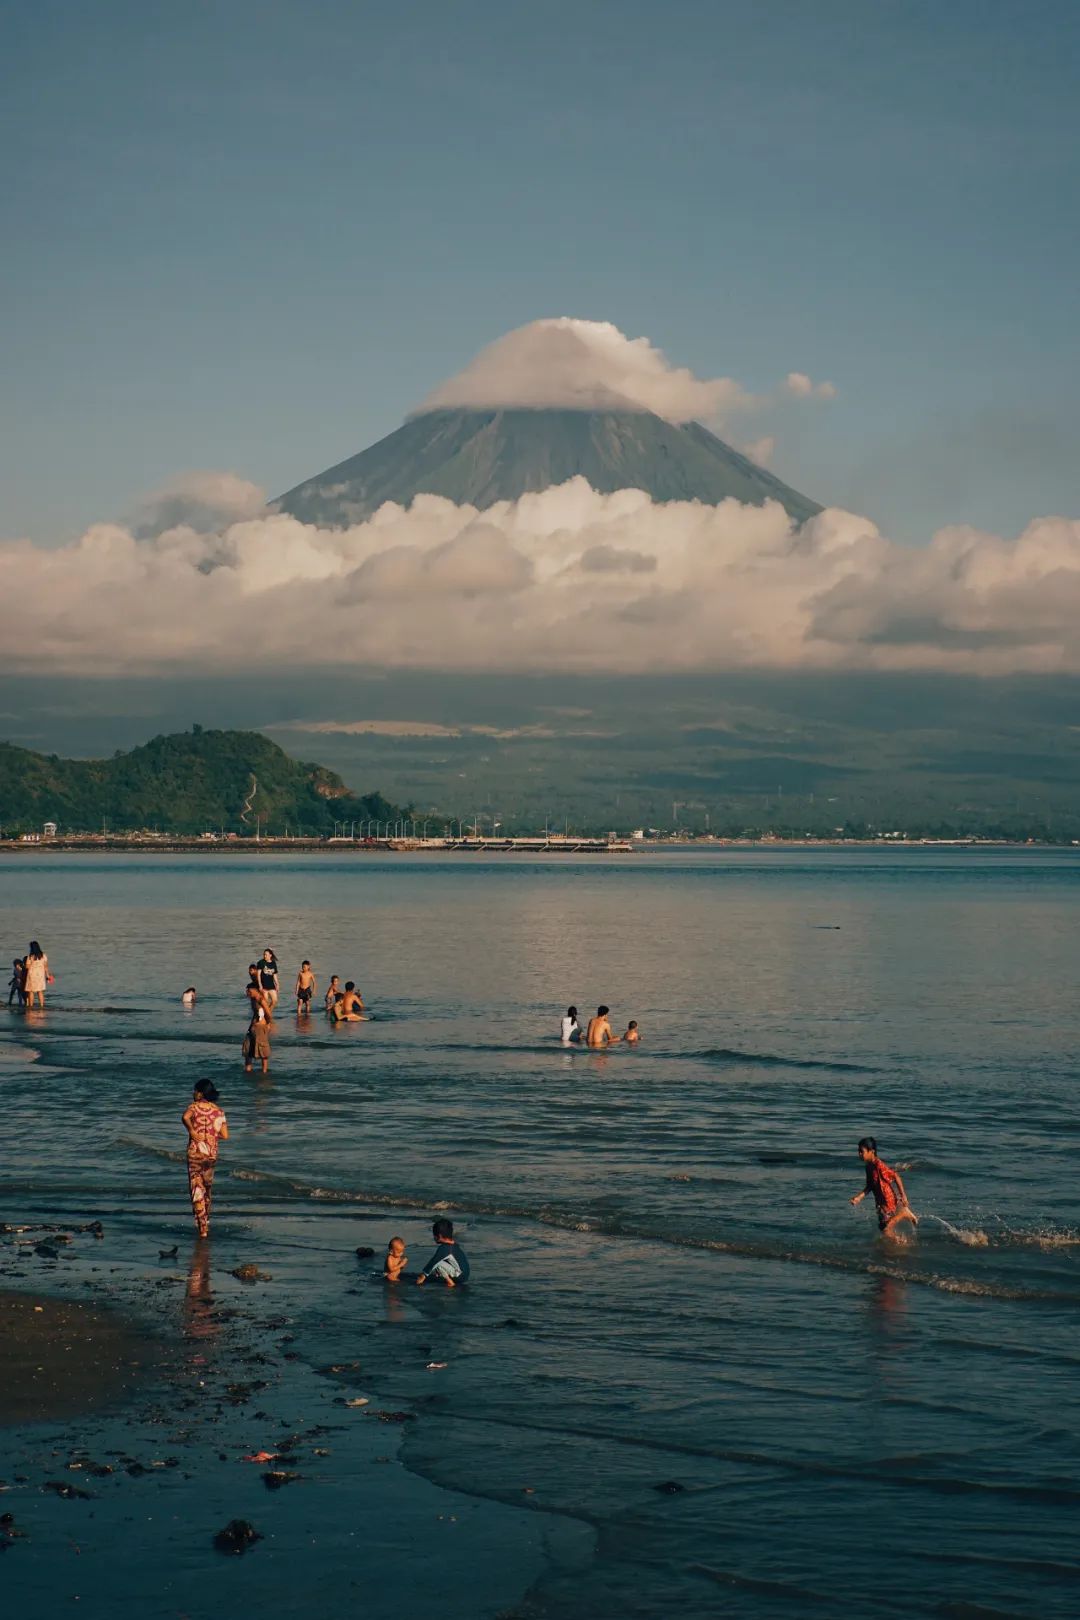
{"x": 449, "y": 1264}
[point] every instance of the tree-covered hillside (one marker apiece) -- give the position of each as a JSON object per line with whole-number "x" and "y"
{"x": 188, "y": 783}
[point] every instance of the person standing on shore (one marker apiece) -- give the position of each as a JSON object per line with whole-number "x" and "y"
{"x": 206, "y": 1126}
{"x": 257, "y": 1039}
{"x": 268, "y": 978}
{"x": 36, "y": 975}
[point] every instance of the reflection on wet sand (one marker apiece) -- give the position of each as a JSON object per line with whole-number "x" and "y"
{"x": 199, "y": 1320}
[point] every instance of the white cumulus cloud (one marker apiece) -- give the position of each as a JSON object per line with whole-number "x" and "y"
{"x": 585, "y": 365}
{"x": 567, "y": 579}
{"x": 800, "y": 386}
{"x": 761, "y": 450}
{"x": 197, "y": 500}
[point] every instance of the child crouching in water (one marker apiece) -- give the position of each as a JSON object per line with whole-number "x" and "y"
{"x": 396, "y": 1259}
{"x": 449, "y": 1263}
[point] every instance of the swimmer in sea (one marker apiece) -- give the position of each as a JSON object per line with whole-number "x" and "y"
{"x": 599, "y": 1030}
{"x": 333, "y": 990}
{"x": 188, "y": 997}
{"x": 305, "y": 989}
{"x": 570, "y": 1029}
{"x": 887, "y": 1189}
{"x": 396, "y": 1259}
{"x": 354, "y": 1001}
{"x": 632, "y": 1036}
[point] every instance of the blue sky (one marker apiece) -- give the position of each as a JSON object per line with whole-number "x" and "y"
{"x": 251, "y": 236}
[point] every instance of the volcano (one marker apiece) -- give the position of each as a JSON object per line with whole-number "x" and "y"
{"x": 479, "y": 457}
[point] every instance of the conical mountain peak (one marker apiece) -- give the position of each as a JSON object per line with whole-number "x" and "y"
{"x": 478, "y": 457}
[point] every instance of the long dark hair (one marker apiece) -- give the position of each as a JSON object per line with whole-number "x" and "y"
{"x": 35, "y": 949}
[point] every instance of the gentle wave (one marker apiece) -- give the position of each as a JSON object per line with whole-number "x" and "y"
{"x": 771, "y": 1060}
{"x": 1064, "y": 1492}
{"x": 616, "y": 1227}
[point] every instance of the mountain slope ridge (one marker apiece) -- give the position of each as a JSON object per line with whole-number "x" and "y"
{"x": 481, "y": 457}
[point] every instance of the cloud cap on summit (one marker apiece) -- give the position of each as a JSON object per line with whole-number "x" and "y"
{"x": 570, "y": 364}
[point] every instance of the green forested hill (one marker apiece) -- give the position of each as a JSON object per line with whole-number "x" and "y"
{"x": 187, "y": 783}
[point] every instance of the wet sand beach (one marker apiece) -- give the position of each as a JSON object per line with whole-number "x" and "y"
{"x": 62, "y": 1358}
{"x": 243, "y": 1421}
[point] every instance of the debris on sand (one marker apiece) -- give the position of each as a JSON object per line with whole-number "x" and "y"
{"x": 250, "y": 1274}
{"x": 238, "y": 1536}
{"x": 68, "y": 1492}
{"x": 275, "y": 1478}
{"x": 237, "y": 1394}
{"x": 9, "y": 1531}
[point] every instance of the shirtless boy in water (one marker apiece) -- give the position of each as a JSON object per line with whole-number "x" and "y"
{"x": 599, "y": 1030}
{"x": 887, "y": 1189}
{"x": 632, "y": 1036}
{"x": 305, "y": 989}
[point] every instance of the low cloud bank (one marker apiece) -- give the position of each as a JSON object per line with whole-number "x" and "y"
{"x": 572, "y": 364}
{"x": 563, "y": 580}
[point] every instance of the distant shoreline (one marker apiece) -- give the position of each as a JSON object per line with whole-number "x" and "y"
{"x": 530, "y": 847}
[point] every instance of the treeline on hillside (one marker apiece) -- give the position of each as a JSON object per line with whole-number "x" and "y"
{"x": 186, "y": 783}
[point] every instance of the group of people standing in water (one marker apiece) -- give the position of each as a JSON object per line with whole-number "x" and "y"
{"x": 29, "y": 977}
{"x": 342, "y": 1005}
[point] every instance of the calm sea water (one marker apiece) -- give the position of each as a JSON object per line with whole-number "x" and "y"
{"x": 670, "y": 1284}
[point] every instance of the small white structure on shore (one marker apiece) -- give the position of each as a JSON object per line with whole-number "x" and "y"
{"x": 50, "y": 829}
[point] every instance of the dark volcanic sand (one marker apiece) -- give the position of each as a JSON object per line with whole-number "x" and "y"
{"x": 62, "y": 1358}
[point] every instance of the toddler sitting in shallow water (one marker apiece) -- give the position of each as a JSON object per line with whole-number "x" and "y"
{"x": 396, "y": 1259}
